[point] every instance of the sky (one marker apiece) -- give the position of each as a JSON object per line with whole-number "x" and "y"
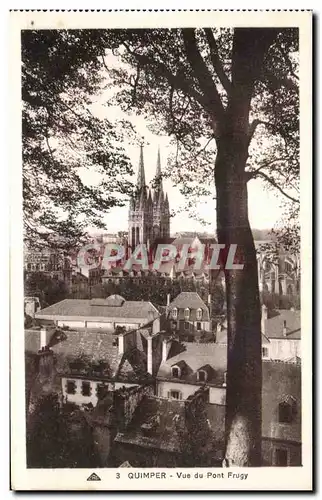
{"x": 264, "y": 205}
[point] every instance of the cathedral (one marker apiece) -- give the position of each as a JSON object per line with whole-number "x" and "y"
{"x": 149, "y": 213}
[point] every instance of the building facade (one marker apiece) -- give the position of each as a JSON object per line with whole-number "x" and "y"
{"x": 149, "y": 214}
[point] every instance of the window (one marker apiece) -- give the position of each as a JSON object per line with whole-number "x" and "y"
{"x": 71, "y": 387}
{"x": 174, "y": 313}
{"x": 198, "y": 325}
{"x": 175, "y": 372}
{"x": 86, "y": 389}
{"x": 199, "y": 313}
{"x": 186, "y": 325}
{"x": 186, "y": 313}
{"x": 202, "y": 376}
{"x": 281, "y": 457}
{"x": 285, "y": 413}
{"x": 265, "y": 352}
{"x": 175, "y": 394}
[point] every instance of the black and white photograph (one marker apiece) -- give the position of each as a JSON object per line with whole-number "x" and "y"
{"x": 163, "y": 187}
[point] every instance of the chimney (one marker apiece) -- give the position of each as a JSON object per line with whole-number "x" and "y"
{"x": 121, "y": 344}
{"x": 168, "y": 299}
{"x": 264, "y": 318}
{"x": 149, "y": 356}
{"x": 284, "y": 328}
{"x": 164, "y": 350}
{"x": 43, "y": 338}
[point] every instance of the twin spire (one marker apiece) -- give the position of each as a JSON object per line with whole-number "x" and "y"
{"x": 158, "y": 195}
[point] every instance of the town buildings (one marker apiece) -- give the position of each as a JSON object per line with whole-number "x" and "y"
{"x": 149, "y": 395}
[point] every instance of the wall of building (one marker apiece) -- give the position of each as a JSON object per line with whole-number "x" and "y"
{"x": 216, "y": 395}
{"x": 281, "y": 380}
{"x": 269, "y": 452}
{"x": 284, "y": 348}
{"x": 78, "y": 397}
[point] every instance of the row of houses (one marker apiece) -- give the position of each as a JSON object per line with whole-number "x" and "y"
{"x": 150, "y": 395}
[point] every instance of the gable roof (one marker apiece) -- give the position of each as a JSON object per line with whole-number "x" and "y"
{"x": 99, "y": 308}
{"x": 188, "y": 299}
{"x": 196, "y": 356}
{"x": 274, "y": 325}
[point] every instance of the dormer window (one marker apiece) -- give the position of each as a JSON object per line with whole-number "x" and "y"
{"x": 176, "y": 372}
{"x": 199, "y": 314}
{"x": 202, "y": 376}
{"x": 174, "y": 313}
{"x": 187, "y": 313}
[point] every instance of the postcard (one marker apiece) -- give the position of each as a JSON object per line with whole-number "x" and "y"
{"x": 161, "y": 250}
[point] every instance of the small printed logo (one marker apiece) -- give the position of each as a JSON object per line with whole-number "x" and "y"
{"x": 93, "y": 477}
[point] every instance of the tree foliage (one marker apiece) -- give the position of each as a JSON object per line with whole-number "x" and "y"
{"x": 65, "y": 145}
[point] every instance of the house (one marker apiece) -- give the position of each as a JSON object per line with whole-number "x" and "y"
{"x": 186, "y": 366}
{"x": 106, "y": 314}
{"x": 89, "y": 364}
{"x": 189, "y": 316}
{"x": 283, "y": 330}
{"x": 281, "y": 335}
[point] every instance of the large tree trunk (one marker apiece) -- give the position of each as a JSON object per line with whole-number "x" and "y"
{"x": 244, "y": 373}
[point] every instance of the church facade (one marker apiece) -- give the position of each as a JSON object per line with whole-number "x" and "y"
{"x": 149, "y": 213}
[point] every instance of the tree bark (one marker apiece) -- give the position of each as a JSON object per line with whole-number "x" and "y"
{"x": 244, "y": 372}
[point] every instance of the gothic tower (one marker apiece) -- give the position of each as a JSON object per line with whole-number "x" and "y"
{"x": 149, "y": 218}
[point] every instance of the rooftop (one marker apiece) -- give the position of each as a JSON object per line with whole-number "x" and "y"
{"x": 274, "y": 325}
{"x": 196, "y": 356}
{"x": 111, "y": 307}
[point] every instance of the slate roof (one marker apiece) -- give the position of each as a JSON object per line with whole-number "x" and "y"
{"x": 196, "y": 356}
{"x": 169, "y": 418}
{"x": 191, "y": 300}
{"x": 274, "y": 325}
{"x": 94, "y": 346}
{"x": 98, "y": 308}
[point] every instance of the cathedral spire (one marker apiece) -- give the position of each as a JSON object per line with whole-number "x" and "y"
{"x": 158, "y": 191}
{"x": 141, "y": 173}
{"x": 158, "y": 171}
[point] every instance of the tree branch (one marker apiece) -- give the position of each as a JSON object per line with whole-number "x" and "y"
{"x": 202, "y": 75}
{"x": 216, "y": 62}
{"x": 274, "y": 184}
{"x": 160, "y": 69}
{"x": 254, "y": 124}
